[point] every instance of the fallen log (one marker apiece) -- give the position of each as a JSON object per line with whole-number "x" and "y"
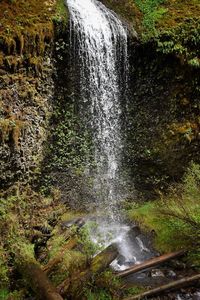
{"x": 74, "y": 285}
{"x": 150, "y": 263}
{"x": 52, "y": 263}
{"x": 31, "y": 271}
{"x": 38, "y": 281}
{"x": 175, "y": 285}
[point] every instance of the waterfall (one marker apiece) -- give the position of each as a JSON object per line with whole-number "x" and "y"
{"x": 102, "y": 49}
{"x": 99, "y": 43}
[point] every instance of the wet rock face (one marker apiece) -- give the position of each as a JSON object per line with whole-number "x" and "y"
{"x": 26, "y": 94}
{"x": 162, "y": 130}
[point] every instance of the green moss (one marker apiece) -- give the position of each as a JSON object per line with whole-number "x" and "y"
{"x": 177, "y": 13}
{"x": 152, "y": 12}
{"x": 174, "y": 25}
{"x": 27, "y": 31}
{"x": 4, "y": 270}
{"x": 4, "y": 294}
{"x": 151, "y": 220}
{"x": 71, "y": 260}
{"x": 89, "y": 248}
{"x": 11, "y": 128}
{"x": 62, "y": 15}
{"x": 182, "y": 40}
{"x": 99, "y": 294}
{"x": 71, "y": 145}
{"x": 20, "y": 209}
{"x": 127, "y": 10}
{"x": 135, "y": 290}
{"x": 71, "y": 215}
{"x": 21, "y": 16}
{"x": 55, "y": 244}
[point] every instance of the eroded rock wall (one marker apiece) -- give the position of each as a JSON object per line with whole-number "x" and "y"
{"x": 26, "y": 93}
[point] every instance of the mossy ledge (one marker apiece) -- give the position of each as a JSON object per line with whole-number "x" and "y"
{"x": 173, "y": 26}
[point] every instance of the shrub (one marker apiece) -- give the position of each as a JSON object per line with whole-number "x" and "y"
{"x": 175, "y": 218}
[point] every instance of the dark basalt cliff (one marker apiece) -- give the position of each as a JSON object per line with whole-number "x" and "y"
{"x": 37, "y": 110}
{"x": 163, "y": 111}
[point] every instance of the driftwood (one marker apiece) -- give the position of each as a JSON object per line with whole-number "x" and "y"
{"x": 175, "y": 285}
{"x": 52, "y": 263}
{"x": 150, "y": 263}
{"x": 74, "y": 285}
{"x": 38, "y": 281}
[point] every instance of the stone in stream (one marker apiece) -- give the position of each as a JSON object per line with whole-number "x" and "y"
{"x": 196, "y": 296}
{"x": 171, "y": 274}
{"x": 134, "y": 231}
{"x": 157, "y": 273}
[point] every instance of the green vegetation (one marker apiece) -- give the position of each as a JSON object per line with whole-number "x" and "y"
{"x": 4, "y": 294}
{"x": 152, "y": 12}
{"x": 71, "y": 260}
{"x": 24, "y": 16}
{"x": 20, "y": 209}
{"x": 135, "y": 290}
{"x": 71, "y": 147}
{"x": 4, "y": 271}
{"x": 16, "y": 295}
{"x": 107, "y": 288}
{"x": 175, "y": 27}
{"x": 61, "y": 15}
{"x": 183, "y": 41}
{"x": 11, "y": 128}
{"x": 27, "y": 30}
{"x": 175, "y": 219}
{"x": 71, "y": 143}
{"x": 98, "y": 295}
{"x": 89, "y": 248}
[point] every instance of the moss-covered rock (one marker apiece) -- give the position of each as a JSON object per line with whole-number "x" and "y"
{"x": 173, "y": 25}
{"x": 27, "y": 43}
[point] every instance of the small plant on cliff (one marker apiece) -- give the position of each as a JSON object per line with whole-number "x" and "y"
{"x": 61, "y": 16}
{"x": 71, "y": 142}
{"x": 182, "y": 40}
{"x": 151, "y": 13}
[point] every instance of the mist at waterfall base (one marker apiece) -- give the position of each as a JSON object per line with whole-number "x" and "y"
{"x": 98, "y": 41}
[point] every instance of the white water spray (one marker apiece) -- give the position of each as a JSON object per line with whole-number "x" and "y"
{"x": 100, "y": 41}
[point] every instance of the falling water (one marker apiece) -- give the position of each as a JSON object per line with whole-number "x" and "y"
{"x": 102, "y": 43}
{"x": 101, "y": 40}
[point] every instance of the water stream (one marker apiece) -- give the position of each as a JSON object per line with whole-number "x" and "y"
{"x": 99, "y": 43}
